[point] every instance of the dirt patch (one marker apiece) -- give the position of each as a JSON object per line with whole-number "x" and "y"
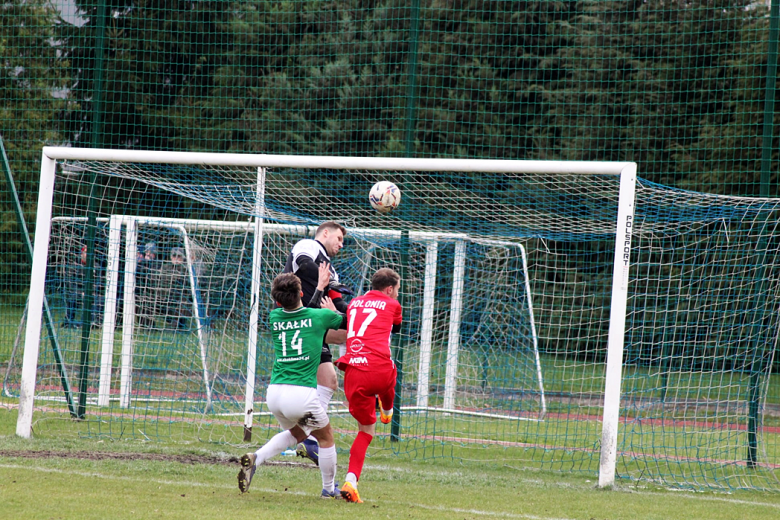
{"x": 161, "y": 457}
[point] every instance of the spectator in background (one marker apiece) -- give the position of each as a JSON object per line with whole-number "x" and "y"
{"x": 73, "y": 278}
{"x": 147, "y": 284}
{"x": 174, "y": 294}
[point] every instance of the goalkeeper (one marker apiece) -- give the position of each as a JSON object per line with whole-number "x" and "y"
{"x": 304, "y": 261}
{"x": 292, "y": 394}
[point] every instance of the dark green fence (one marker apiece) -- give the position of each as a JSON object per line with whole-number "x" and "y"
{"x": 685, "y": 89}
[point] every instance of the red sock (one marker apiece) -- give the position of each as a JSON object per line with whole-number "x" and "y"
{"x": 357, "y": 454}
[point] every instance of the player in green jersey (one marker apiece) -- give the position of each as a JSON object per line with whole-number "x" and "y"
{"x": 292, "y": 394}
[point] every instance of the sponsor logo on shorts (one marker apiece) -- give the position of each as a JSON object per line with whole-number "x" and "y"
{"x": 358, "y": 360}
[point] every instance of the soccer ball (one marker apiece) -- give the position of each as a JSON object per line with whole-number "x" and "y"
{"x": 384, "y": 196}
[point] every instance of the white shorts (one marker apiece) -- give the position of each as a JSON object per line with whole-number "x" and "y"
{"x": 294, "y": 405}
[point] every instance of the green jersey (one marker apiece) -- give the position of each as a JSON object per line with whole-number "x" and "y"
{"x": 298, "y": 337}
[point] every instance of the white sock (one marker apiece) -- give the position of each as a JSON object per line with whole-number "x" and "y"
{"x": 387, "y": 412}
{"x": 328, "y": 467}
{"x": 324, "y": 394}
{"x": 351, "y": 478}
{"x": 276, "y": 444}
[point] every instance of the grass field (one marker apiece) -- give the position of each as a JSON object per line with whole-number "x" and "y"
{"x": 64, "y": 478}
{"x": 693, "y": 443}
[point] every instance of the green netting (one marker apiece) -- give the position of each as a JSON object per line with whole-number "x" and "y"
{"x": 508, "y": 300}
{"x": 684, "y": 89}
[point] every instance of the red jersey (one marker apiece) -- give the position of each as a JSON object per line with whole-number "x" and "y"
{"x": 370, "y": 320}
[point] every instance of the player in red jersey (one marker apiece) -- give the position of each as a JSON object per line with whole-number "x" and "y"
{"x": 369, "y": 371}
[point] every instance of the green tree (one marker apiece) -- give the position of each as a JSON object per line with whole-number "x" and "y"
{"x": 33, "y": 88}
{"x": 158, "y": 69}
{"x": 642, "y": 81}
{"x": 729, "y": 150}
{"x": 339, "y": 87}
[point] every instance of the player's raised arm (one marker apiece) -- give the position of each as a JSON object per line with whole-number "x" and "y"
{"x": 323, "y": 280}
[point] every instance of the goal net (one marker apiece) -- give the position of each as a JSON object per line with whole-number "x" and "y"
{"x": 553, "y": 317}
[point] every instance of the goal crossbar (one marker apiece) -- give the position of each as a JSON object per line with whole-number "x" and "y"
{"x": 324, "y": 162}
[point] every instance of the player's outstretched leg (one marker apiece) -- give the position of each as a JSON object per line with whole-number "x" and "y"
{"x": 249, "y": 461}
{"x": 247, "y": 471}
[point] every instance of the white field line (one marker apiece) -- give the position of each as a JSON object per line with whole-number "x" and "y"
{"x": 691, "y": 496}
{"x": 539, "y": 483}
{"x": 498, "y": 514}
{"x": 482, "y": 513}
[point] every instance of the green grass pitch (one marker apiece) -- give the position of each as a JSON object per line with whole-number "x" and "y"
{"x": 68, "y": 477}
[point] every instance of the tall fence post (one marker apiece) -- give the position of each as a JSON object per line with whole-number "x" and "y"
{"x": 89, "y": 281}
{"x": 769, "y": 99}
{"x": 411, "y": 74}
{"x": 400, "y": 345}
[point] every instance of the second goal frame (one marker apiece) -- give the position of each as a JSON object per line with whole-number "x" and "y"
{"x": 131, "y": 225}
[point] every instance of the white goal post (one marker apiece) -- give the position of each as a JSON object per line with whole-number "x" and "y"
{"x": 626, "y": 172}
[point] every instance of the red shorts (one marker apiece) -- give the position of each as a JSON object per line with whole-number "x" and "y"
{"x": 363, "y": 386}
